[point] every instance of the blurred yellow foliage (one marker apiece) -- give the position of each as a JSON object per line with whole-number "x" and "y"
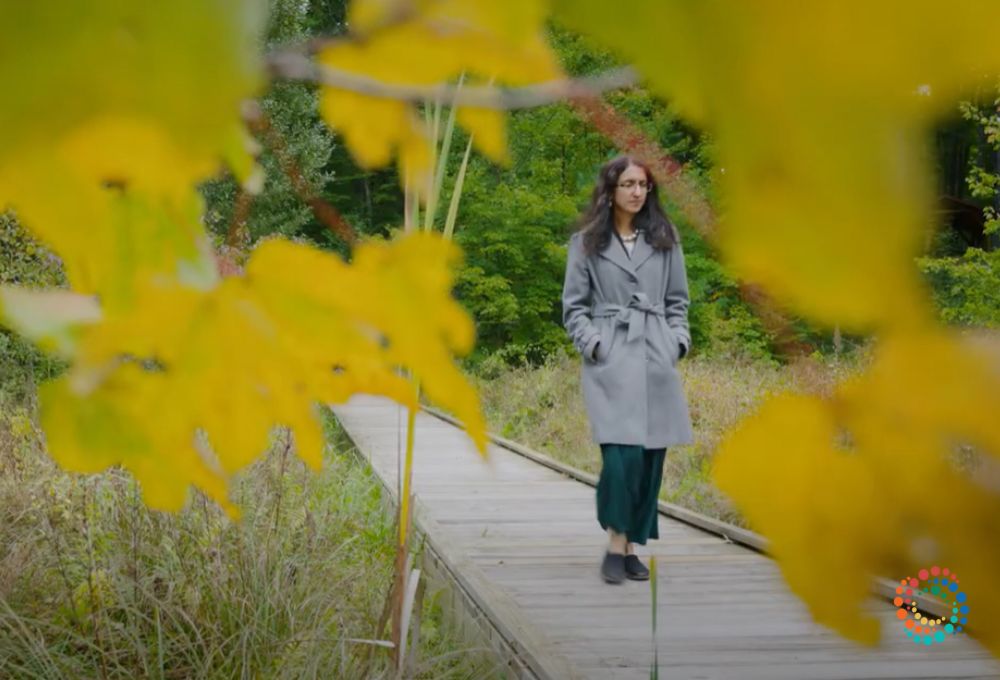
{"x": 103, "y": 137}
{"x": 820, "y": 113}
{"x": 426, "y": 42}
{"x": 853, "y": 486}
{"x": 819, "y": 120}
{"x": 256, "y": 351}
{"x": 104, "y": 95}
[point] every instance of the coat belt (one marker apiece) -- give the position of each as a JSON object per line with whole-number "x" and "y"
{"x": 632, "y": 315}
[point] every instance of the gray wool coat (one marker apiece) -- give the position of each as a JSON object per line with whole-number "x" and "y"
{"x": 633, "y": 312}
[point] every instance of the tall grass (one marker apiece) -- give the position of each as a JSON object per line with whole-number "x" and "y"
{"x": 94, "y": 585}
{"x": 543, "y": 408}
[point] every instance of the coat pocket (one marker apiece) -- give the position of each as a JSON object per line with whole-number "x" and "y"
{"x": 607, "y": 340}
{"x": 672, "y": 343}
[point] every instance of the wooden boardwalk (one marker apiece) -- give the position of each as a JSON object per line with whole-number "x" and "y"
{"x": 523, "y": 541}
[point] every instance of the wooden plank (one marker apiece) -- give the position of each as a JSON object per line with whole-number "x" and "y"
{"x": 519, "y": 536}
{"x": 519, "y": 633}
{"x": 696, "y": 519}
{"x": 882, "y": 587}
{"x": 798, "y": 671}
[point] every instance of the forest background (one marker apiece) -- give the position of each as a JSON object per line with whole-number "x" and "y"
{"x": 513, "y": 226}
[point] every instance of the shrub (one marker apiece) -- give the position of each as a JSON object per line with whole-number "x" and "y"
{"x": 967, "y": 288}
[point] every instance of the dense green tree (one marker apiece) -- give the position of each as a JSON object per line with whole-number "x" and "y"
{"x": 370, "y": 201}
{"x": 963, "y": 263}
{"x": 302, "y": 144}
{"x": 983, "y": 177}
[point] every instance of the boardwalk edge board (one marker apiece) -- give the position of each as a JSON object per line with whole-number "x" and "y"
{"x": 884, "y": 588}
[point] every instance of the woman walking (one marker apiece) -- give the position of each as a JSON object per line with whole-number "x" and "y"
{"x": 625, "y": 302}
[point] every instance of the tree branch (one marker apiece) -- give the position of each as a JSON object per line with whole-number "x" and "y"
{"x": 293, "y": 65}
{"x": 260, "y": 124}
{"x": 684, "y": 193}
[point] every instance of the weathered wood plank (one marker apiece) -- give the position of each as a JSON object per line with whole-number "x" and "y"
{"x": 521, "y": 538}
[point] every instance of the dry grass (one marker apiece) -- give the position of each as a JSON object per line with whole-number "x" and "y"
{"x": 94, "y": 585}
{"x": 543, "y": 408}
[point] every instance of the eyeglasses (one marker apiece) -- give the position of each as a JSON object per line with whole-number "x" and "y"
{"x": 630, "y": 184}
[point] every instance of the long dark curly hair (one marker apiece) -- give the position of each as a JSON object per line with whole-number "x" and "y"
{"x": 597, "y": 224}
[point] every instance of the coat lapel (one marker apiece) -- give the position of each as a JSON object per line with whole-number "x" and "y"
{"x": 642, "y": 251}
{"x": 615, "y": 252}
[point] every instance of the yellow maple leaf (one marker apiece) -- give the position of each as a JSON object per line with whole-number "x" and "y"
{"x": 818, "y": 118}
{"x": 796, "y": 495}
{"x": 256, "y": 351}
{"x": 488, "y": 128}
{"x": 866, "y": 484}
{"x": 118, "y": 95}
{"x": 180, "y": 68}
{"x": 109, "y": 121}
{"x": 432, "y": 42}
{"x": 128, "y": 420}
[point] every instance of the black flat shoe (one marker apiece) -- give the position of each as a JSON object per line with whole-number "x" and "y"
{"x": 613, "y": 568}
{"x": 635, "y": 570}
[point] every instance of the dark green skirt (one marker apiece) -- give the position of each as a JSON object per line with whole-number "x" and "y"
{"x": 628, "y": 490}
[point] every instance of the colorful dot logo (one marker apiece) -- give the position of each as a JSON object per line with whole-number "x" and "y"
{"x": 939, "y": 584}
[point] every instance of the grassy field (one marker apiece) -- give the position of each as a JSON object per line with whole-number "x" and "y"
{"x": 94, "y": 585}
{"x": 543, "y": 408}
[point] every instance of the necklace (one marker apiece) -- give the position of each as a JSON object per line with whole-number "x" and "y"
{"x": 631, "y": 237}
